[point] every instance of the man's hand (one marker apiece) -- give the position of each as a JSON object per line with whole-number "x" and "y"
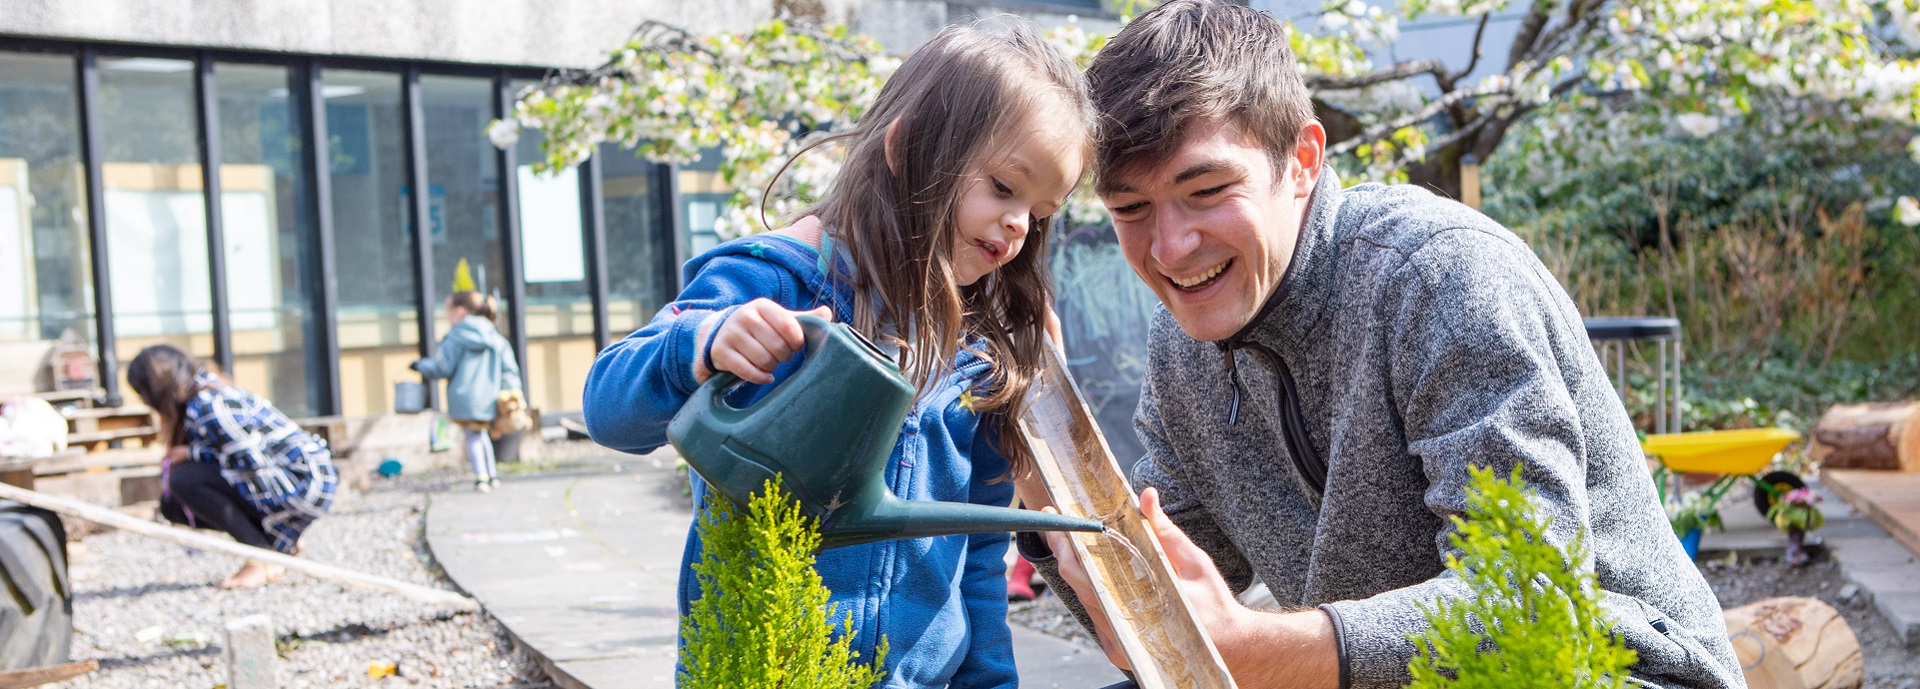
{"x": 1260, "y": 649}
{"x": 754, "y": 340}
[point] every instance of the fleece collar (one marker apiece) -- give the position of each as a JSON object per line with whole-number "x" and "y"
{"x": 1300, "y": 302}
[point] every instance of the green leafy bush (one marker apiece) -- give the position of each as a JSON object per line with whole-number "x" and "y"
{"x": 1533, "y": 620}
{"x": 763, "y": 618}
{"x": 1694, "y": 512}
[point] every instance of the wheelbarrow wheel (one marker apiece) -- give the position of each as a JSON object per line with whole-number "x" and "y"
{"x": 1780, "y": 481}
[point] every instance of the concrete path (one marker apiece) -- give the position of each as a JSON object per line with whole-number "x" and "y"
{"x": 1885, "y": 570}
{"x": 580, "y": 566}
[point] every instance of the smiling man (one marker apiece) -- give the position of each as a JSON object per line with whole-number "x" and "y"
{"x": 1328, "y": 365}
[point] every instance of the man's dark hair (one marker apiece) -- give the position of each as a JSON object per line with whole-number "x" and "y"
{"x": 1188, "y": 62}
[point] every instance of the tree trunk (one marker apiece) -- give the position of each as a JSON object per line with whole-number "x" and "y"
{"x": 1881, "y": 435}
{"x": 1795, "y": 643}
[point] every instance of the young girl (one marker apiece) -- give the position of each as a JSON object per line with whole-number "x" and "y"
{"x": 233, "y": 463}
{"x": 932, "y": 239}
{"x": 478, "y": 365}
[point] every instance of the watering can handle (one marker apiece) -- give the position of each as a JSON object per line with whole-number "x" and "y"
{"x": 814, "y": 328}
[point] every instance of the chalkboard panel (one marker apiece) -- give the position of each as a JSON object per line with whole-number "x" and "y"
{"x": 1105, "y": 311}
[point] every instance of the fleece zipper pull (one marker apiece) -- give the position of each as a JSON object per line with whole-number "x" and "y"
{"x": 1233, "y": 377}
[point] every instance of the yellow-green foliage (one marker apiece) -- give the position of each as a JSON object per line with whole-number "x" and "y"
{"x": 763, "y": 619}
{"x": 1533, "y": 620}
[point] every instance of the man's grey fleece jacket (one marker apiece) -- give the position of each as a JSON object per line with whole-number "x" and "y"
{"x": 1323, "y": 448}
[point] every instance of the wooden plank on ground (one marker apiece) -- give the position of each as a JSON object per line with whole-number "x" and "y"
{"x": 1891, "y": 499}
{"x": 36, "y": 676}
{"x": 195, "y": 539}
{"x": 1151, "y": 619}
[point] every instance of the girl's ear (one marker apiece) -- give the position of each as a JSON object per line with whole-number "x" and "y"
{"x": 891, "y": 148}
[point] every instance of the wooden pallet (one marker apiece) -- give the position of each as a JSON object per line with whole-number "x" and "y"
{"x": 1890, "y": 498}
{"x": 1151, "y": 619}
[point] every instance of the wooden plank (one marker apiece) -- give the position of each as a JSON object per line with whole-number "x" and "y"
{"x": 1890, "y": 499}
{"x": 54, "y": 397}
{"x": 33, "y": 677}
{"x": 194, "y": 539}
{"x": 1151, "y": 618}
{"x": 129, "y": 410}
{"x": 105, "y": 435}
{"x": 80, "y": 462}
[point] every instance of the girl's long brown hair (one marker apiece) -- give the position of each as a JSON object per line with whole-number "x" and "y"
{"x": 166, "y": 378}
{"x": 957, "y": 100}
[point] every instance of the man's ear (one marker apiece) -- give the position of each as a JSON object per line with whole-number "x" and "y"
{"x": 1309, "y": 152}
{"x": 891, "y": 148}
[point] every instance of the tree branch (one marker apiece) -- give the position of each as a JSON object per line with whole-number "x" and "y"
{"x": 1529, "y": 32}
{"x": 1576, "y": 16}
{"x": 1380, "y": 131}
{"x": 1328, "y": 82}
{"x": 1478, "y": 33}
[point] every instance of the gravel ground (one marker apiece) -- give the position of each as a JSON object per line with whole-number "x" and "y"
{"x": 152, "y": 614}
{"x": 1889, "y": 664}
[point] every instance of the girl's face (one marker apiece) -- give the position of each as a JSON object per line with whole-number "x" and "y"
{"x": 455, "y": 313}
{"x": 1001, "y": 197}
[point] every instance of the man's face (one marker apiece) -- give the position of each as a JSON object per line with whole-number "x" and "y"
{"x": 1211, "y": 229}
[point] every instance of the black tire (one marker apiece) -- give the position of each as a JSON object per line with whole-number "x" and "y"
{"x": 36, "y": 603}
{"x": 1782, "y": 481}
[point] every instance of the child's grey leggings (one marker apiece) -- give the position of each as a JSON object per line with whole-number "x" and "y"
{"x": 480, "y": 453}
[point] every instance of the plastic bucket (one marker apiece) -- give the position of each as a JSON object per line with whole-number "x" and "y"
{"x": 409, "y": 397}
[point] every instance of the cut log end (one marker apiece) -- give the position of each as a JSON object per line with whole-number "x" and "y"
{"x": 1787, "y": 643}
{"x": 1881, "y": 435}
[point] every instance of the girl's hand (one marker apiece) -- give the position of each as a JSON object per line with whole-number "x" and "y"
{"x": 755, "y": 339}
{"x": 177, "y": 453}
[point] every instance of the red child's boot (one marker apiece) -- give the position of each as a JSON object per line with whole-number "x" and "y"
{"x": 1020, "y": 580}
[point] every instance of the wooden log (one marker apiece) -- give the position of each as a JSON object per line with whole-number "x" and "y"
{"x": 1795, "y": 643}
{"x": 192, "y": 539}
{"x": 1880, "y": 435}
{"x": 36, "y": 676}
{"x": 1151, "y": 619}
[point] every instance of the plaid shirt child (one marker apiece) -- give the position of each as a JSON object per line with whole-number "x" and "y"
{"x": 285, "y": 473}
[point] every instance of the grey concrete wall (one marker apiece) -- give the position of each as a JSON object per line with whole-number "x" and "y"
{"x": 543, "y": 33}
{"x": 547, "y": 33}
{"x": 899, "y": 25}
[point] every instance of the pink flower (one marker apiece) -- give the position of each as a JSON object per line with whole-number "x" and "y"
{"x": 1800, "y": 496}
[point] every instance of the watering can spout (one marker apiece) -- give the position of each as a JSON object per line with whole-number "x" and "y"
{"x": 892, "y": 517}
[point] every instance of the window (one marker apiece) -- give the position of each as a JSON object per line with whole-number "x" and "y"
{"x": 155, "y": 210}
{"x": 269, "y": 241}
{"x": 559, "y": 309}
{"x": 373, "y": 243}
{"x": 46, "y": 282}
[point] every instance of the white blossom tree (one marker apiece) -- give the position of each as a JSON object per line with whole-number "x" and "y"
{"x": 1589, "y": 75}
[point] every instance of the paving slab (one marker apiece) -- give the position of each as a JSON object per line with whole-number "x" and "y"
{"x": 581, "y": 567}
{"x": 1884, "y": 567}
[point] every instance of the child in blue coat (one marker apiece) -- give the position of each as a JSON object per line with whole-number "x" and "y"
{"x": 478, "y": 364}
{"x": 932, "y": 241}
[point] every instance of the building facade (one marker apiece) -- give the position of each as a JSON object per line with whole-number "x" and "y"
{"x": 288, "y": 187}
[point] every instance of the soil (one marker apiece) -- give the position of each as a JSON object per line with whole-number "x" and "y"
{"x": 1889, "y": 663}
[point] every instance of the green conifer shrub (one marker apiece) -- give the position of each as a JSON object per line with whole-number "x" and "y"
{"x": 763, "y": 618}
{"x": 1533, "y": 619}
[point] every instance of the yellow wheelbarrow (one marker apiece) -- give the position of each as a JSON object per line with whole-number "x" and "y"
{"x": 1734, "y": 455}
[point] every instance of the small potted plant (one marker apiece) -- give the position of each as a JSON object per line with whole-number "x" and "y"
{"x": 1797, "y": 512}
{"x": 1692, "y": 516}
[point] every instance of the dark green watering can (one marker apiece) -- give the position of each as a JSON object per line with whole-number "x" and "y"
{"x": 827, "y": 432}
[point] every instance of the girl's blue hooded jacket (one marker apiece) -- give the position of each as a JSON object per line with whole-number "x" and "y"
{"x": 478, "y": 363}
{"x": 939, "y": 602}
